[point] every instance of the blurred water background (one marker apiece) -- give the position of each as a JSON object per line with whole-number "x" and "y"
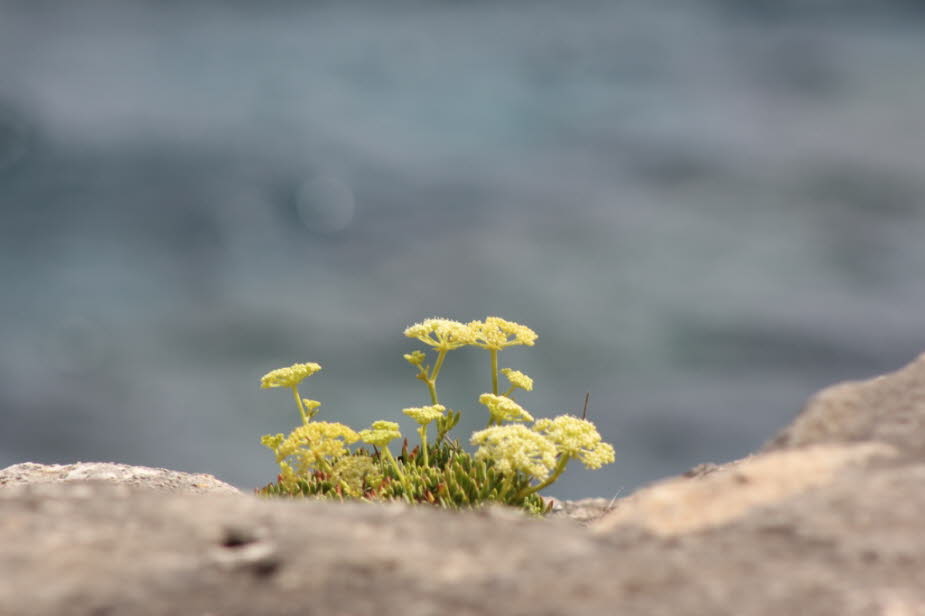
{"x": 707, "y": 210}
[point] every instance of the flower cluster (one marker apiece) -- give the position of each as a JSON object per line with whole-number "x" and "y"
{"x": 381, "y": 433}
{"x": 311, "y": 446}
{"x": 425, "y": 414}
{"x": 576, "y": 438}
{"x": 518, "y": 379}
{"x": 495, "y": 333}
{"x": 513, "y": 461}
{"x": 289, "y": 377}
{"x": 516, "y": 449}
{"x": 504, "y": 409}
{"x": 441, "y": 334}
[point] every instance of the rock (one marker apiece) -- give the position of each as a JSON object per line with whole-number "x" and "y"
{"x": 826, "y": 519}
{"x": 96, "y": 548}
{"x": 681, "y": 506}
{"x": 583, "y": 511}
{"x": 888, "y": 409}
{"x": 142, "y": 476}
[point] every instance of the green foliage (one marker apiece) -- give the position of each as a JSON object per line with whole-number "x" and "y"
{"x": 453, "y": 479}
{"x": 512, "y": 464}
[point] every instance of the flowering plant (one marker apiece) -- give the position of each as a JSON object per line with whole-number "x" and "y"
{"x": 512, "y": 463}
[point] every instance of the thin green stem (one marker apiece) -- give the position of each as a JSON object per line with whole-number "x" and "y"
{"x": 432, "y": 388}
{"x": 298, "y": 401}
{"x": 431, "y": 379}
{"x": 560, "y": 467}
{"x": 441, "y": 355}
{"x": 494, "y": 371}
{"x": 423, "y": 432}
{"x": 401, "y": 475}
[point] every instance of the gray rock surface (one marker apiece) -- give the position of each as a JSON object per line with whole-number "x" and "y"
{"x": 826, "y": 519}
{"x": 888, "y": 409}
{"x": 123, "y": 474}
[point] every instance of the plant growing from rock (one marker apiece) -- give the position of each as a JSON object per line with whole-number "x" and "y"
{"x": 516, "y": 455}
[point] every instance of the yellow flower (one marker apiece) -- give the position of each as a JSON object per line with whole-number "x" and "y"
{"x": 352, "y": 471}
{"x": 381, "y": 433}
{"x": 287, "y": 476}
{"x": 518, "y": 379}
{"x": 425, "y": 414}
{"x": 415, "y": 358}
{"x": 576, "y": 438}
{"x": 503, "y": 408}
{"x": 442, "y": 334}
{"x": 516, "y": 448}
{"x": 313, "y": 442}
{"x": 289, "y": 377}
{"x": 272, "y": 441}
{"x": 495, "y": 333}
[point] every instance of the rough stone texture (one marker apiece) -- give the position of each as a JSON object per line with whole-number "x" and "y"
{"x": 889, "y": 409}
{"x": 142, "y": 476}
{"x": 826, "y": 519}
{"x": 582, "y": 511}
{"x": 681, "y": 506}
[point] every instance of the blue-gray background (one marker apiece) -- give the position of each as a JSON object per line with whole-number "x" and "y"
{"x": 707, "y": 212}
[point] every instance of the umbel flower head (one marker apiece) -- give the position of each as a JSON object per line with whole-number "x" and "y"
{"x": 518, "y": 379}
{"x": 425, "y": 414}
{"x": 576, "y": 438}
{"x": 309, "y": 447}
{"x": 289, "y": 377}
{"x": 312, "y": 443}
{"x": 495, "y": 333}
{"x": 503, "y": 409}
{"x": 442, "y": 334}
{"x": 516, "y": 448}
{"x": 381, "y": 433}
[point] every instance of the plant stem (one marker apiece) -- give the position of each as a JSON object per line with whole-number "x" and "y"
{"x": 441, "y": 355}
{"x": 423, "y": 432}
{"x": 431, "y": 379}
{"x": 401, "y": 475}
{"x": 560, "y": 467}
{"x": 432, "y": 388}
{"x": 494, "y": 371}
{"x": 298, "y": 401}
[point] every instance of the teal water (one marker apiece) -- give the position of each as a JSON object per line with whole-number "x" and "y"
{"x": 706, "y": 214}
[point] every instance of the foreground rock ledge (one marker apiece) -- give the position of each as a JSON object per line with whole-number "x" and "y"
{"x": 826, "y": 519}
